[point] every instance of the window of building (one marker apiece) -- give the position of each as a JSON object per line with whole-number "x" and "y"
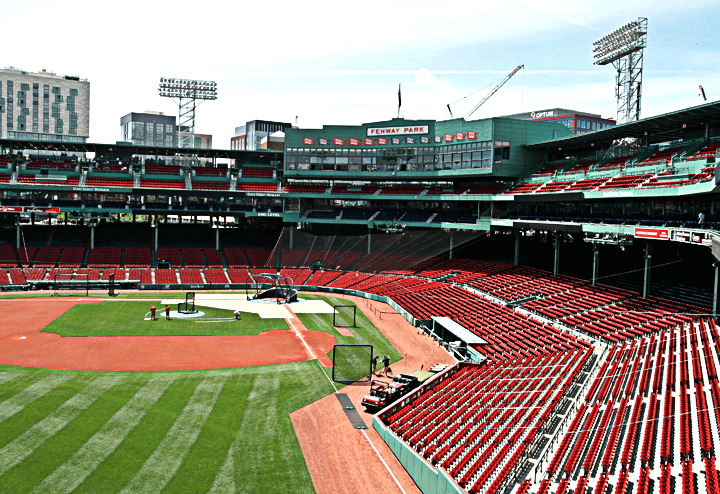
{"x": 73, "y": 92}
{"x": 25, "y": 87}
{"x": 502, "y": 150}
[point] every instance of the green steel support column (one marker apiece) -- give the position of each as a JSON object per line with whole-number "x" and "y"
{"x": 17, "y": 228}
{"x": 715, "y": 290}
{"x": 451, "y": 245}
{"x": 92, "y": 237}
{"x": 292, "y": 236}
{"x": 517, "y": 248}
{"x": 596, "y": 256}
{"x": 369, "y": 240}
{"x": 217, "y": 237}
{"x": 156, "y": 234}
{"x": 556, "y": 263}
{"x": 646, "y": 281}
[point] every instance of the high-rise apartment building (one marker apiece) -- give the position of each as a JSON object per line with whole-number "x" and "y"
{"x": 249, "y": 137}
{"x": 44, "y": 106}
{"x": 149, "y": 129}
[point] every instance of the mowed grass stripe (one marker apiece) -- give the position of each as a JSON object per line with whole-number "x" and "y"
{"x": 165, "y": 460}
{"x": 56, "y": 450}
{"x": 20, "y": 400}
{"x": 123, "y": 463}
{"x": 281, "y": 467}
{"x": 201, "y": 465}
{"x": 8, "y": 376}
{"x": 225, "y": 479}
{"x": 71, "y": 473}
{"x": 82, "y": 393}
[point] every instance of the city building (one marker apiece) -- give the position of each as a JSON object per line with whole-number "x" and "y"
{"x": 275, "y": 141}
{"x": 149, "y": 129}
{"x": 578, "y": 122}
{"x": 44, "y": 106}
{"x": 202, "y": 141}
{"x": 249, "y": 137}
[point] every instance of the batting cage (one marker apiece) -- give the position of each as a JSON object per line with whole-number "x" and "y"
{"x": 187, "y": 307}
{"x": 345, "y": 316}
{"x": 351, "y": 363}
{"x": 68, "y": 284}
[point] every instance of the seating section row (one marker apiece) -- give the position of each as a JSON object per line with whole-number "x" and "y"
{"x": 651, "y": 408}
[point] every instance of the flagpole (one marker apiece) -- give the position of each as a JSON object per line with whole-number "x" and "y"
{"x": 399, "y": 100}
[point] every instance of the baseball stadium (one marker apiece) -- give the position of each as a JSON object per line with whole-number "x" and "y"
{"x": 492, "y": 306}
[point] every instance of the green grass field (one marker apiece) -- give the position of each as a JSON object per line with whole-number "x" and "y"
{"x": 126, "y": 318}
{"x": 214, "y": 431}
{"x": 365, "y": 332}
{"x": 171, "y": 432}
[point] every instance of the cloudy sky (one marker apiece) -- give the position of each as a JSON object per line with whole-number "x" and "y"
{"x": 341, "y": 62}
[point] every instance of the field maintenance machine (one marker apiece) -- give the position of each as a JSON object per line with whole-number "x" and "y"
{"x": 382, "y": 393}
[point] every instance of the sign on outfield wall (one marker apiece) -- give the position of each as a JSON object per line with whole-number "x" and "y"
{"x": 654, "y": 233}
{"x": 398, "y": 131}
{"x": 691, "y": 237}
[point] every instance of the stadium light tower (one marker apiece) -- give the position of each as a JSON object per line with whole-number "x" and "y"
{"x": 187, "y": 92}
{"x": 623, "y": 48}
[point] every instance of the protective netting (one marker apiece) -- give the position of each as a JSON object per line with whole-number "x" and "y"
{"x": 344, "y": 316}
{"x": 351, "y": 363}
{"x": 403, "y": 252}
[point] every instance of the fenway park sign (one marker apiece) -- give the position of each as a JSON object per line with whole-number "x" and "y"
{"x": 397, "y": 131}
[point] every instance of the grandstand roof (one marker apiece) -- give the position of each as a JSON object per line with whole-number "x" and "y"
{"x": 661, "y": 128}
{"x": 266, "y": 155}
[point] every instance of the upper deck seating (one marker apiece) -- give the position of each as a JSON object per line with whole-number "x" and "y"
{"x": 306, "y": 188}
{"x": 158, "y": 169}
{"x": 524, "y": 188}
{"x": 162, "y": 184}
{"x": 618, "y": 161}
{"x": 624, "y": 182}
{"x": 250, "y": 172}
{"x": 708, "y": 151}
{"x": 210, "y": 185}
{"x": 661, "y": 157}
{"x": 126, "y": 183}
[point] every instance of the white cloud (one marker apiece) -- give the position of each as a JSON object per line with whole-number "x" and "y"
{"x": 424, "y": 78}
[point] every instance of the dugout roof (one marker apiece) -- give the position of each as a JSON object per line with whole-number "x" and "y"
{"x": 654, "y": 130}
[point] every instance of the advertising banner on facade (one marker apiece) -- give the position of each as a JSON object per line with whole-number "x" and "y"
{"x": 691, "y": 237}
{"x": 308, "y": 142}
{"x": 653, "y": 233}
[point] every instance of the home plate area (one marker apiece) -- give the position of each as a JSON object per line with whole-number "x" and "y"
{"x": 266, "y": 309}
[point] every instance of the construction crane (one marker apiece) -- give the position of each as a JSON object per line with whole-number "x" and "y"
{"x": 482, "y": 101}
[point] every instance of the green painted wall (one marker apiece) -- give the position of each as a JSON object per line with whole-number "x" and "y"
{"x": 518, "y": 132}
